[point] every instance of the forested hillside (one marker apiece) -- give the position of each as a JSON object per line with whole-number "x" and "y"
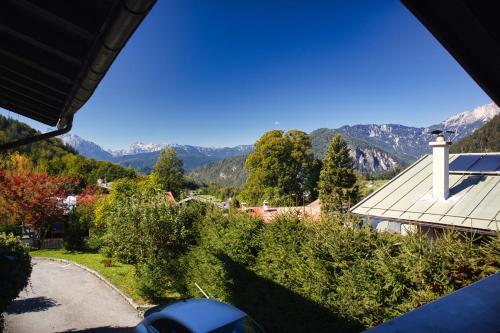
{"x": 367, "y": 158}
{"x": 11, "y": 130}
{"x": 57, "y": 158}
{"x": 228, "y": 172}
{"x": 484, "y": 140}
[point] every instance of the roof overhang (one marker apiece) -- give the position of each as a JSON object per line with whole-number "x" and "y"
{"x": 468, "y": 29}
{"x": 54, "y": 53}
{"x": 461, "y": 228}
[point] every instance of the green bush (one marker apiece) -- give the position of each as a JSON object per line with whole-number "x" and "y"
{"x": 11, "y": 228}
{"x": 75, "y": 230}
{"x": 369, "y": 277}
{"x": 15, "y": 268}
{"x": 154, "y": 279}
{"x": 236, "y": 236}
{"x": 292, "y": 275}
{"x": 337, "y": 274}
{"x": 143, "y": 228}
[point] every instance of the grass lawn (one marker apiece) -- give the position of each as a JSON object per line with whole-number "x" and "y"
{"x": 369, "y": 186}
{"x": 121, "y": 275}
{"x": 209, "y": 198}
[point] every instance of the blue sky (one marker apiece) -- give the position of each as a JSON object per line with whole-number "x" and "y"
{"x": 220, "y": 73}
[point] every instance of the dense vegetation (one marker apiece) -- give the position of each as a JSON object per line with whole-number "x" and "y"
{"x": 300, "y": 276}
{"x": 36, "y": 178}
{"x": 292, "y": 275}
{"x": 337, "y": 180}
{"x": 137, "y": 225}
{"x": 15, "y": 270}
{"x": 228, "y": 172}
{"x": 169, "y": 171}
{"x": 484, "y": 140}
{"x": 56, "y": 158}
{"x": 219, "y": 192}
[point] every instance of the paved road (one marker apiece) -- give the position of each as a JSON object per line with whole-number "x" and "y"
{"x": 66, "y": 298}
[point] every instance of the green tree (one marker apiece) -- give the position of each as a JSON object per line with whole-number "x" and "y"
{"x": 15, "y": 269}
{"x": 282, "y": 169}
{"x": 169, "y": 171}
{"x": 337, "y": 178}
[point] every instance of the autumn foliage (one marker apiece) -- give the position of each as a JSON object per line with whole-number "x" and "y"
{"x": 34, "y": 199}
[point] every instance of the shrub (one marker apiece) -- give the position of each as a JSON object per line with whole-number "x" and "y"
{"x": 11, "y": 228}
{"x": 335, "y": 274}
{"x": 154, "y": 279}
{"x": 371, "y": 277}
{"x": 107, "y": 262}
{"x": 143, "y": 228}
{"x": 79, "y": 222}
{"x": 75, "y": 230}
{"x": 15, "y": 268}
{"x": 234, "y": 236}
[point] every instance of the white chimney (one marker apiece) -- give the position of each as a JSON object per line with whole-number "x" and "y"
{"x": 265, "y": 205}
{"x": 440, "y": 168}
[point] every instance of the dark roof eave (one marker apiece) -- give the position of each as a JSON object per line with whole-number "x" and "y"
{"x": 463, "y": 28}
{"x": 127, "y": 17}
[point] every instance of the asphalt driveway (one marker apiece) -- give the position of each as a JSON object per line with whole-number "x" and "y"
{"x": 65, "y": 298}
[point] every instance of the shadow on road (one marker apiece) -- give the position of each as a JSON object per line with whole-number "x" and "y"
{"x": 32, "y": 304}
{"x": 106, "y": 329}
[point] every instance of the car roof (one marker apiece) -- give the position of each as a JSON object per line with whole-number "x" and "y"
{"x": 200, "y": 315}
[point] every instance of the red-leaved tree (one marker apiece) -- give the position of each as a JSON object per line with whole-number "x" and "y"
{"x": 34, "y": 199}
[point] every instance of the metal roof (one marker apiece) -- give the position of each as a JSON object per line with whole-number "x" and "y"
{"x": 474, "y": 201}
{"x": 54, "y": 53}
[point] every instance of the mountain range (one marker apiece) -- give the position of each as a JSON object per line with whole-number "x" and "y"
{"x": 375, "y": 148}
{"x": 142, "y": 157}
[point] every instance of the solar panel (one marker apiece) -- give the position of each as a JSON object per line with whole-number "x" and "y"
{"x": 463, "y": 162}
{"x": 487, "y": 163}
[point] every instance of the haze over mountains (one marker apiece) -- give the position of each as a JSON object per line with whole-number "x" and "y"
{"x": 142, "y": 157}
{"x": 375, "y": 148}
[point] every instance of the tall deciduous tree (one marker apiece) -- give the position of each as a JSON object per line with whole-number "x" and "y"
{"x": 282, "y": 169}
{"x": 169, "y": 172}
{"x": 35, "y": 199}
{"x": 337, "y": 181}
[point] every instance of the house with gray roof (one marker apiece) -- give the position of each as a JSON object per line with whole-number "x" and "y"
{"x": 439, "y": 191}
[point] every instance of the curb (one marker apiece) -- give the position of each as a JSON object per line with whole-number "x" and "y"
{"x": 138, "y": 307}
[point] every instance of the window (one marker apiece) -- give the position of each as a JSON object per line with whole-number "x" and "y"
{"x": 242, "y": 325}
{"x": 168, "y": 326}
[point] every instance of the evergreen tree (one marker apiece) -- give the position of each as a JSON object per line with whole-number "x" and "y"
{"x": 337, "y": 178}
{"x": 169, "y": 171}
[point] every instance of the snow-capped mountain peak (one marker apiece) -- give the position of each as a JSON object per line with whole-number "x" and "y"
{"x": 378, "y": 146}
{"x": 482, "y": 114}
{"x": 85, "y": 147}
{"x": 139, "y": 148}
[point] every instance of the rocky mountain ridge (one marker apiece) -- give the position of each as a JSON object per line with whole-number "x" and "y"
{"x": 375, "y": 148}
